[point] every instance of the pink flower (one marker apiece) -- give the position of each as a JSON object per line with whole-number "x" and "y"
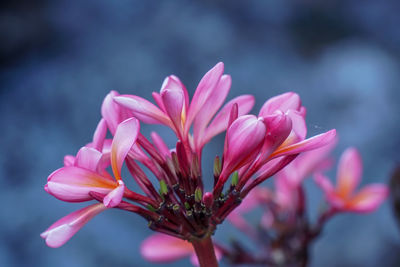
{"x": 161, "y": 248}
{"x": 344, "y": 197}
{"x": 62, "y": 230}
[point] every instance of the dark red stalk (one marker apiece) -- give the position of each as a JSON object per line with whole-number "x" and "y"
{"x": 204, "y": 249}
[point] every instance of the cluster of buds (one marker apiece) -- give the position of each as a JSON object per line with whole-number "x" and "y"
{"x": 256, "y": 148}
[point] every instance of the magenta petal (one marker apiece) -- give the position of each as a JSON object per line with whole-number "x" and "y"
{"x": 143, "y": 109}
{"x": 283, "y": 102}
{"x": 173, "y": 83}
{"x": 113, "y": 198}
{"x": 88, "y": 158}
{"x": 306, "y": 145}
{"x": 369, "y": 198}
{"x": 243, "y": 140}
{"x": 62, "y": 230}
{"x": 206, "y": 86}
{"x": 174, "y": 102}
{"x": 220, "y": 122}
{"x": 324, "y": 183}
{"x": 210, "y": 107}
{"x": 73, "y": 184}
{"x": 69, "y": 160}
{"x": 349, "y": 171}
{"x": 111, "y": 111}
{"x": 299, "y": 127}
{"x": 125, "y": 137}
{"x": 164, "y": 248}
{"x": 100, "y": 135}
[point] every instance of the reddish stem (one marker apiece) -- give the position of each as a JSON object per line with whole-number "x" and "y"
{"x": 204, "y": 249}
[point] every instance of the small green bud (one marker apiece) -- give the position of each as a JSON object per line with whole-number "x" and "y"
{"x": 235, "y": 178}
{"x": 198, "y": 194}
{"x": 217, "y": 166}
{"x": 163, "y": 188}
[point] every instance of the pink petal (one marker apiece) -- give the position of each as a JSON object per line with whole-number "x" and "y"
{"x": 69, "y": 160}
{"x": 100, "y": 135}
{"x": 173, "y": 83}
{"x": 205, "y": 88}
{"x": 306, "y": 145}
{"x": 324, "y": 183}
{"x": 163, "y": 248}
{"x": 160, "y": 145}
{"x": 349, "y": 171}
{"x": 125, "y": 137}
{"x": 143, "y": 109}
{"x": 283, "y": 102}
{"x": 174, "y": 101}
{"x": 368, "y": 199}
{"x": 62, "y": 230}
{"x": 299, "y": 127}
{"x": 220, "y": 122}
{"x": 88, "y": 158}
{"x": 73, "y": 184}
{"x": 113, "y": 198}
{"x": 111, "y": 111}
{"x": 210, "y": 107}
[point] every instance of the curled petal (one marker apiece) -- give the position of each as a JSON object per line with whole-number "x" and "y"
{"x": 73, "y": 184}
{"x": 205, "y": 88}
{"x": 62, "y": 230}
{"x": 143, "y": 109}
{"x": 173, "y": 83}
{"x": 243, "y": 139}
{"x": 124, "y": 139}
{"x": 306, "y": 145}
{"x": 88, "y": 158}
{"x": 220, "y": 122}
{"x": 113, "y": 198}
{"x": 173, "y": 101}
{"x": 111, "y": 111}
{"x": 349, "y": 172}
{"x": 283, "y": 102}
{"x": 164, "y": 248}
{"x": 368, "y": 199}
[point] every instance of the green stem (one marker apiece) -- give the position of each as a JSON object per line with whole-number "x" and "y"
{"x": 204, "y": 249}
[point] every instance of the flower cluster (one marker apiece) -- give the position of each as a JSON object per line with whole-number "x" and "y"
{"x": 256, "y": 148}
{"x": 284, "y": 233}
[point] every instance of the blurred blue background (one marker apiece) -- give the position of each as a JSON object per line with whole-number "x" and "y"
{"x": 58, "y": 59}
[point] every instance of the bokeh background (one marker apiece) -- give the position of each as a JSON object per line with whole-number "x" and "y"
{"x": 58, "y": 59}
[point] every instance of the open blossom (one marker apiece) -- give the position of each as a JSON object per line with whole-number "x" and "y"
{"x": 256, "y": 147}
{"x": 344, "y": 196}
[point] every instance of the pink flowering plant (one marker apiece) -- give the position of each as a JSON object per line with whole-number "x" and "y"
{"x": 179, "y": 206}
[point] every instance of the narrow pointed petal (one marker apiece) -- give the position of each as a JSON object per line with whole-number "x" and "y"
{"x": 111, "y": 111}
{"x": 324, "y": 183}
{"x": 163, "y": 248}
{"x": 88, "y": 158}
{"x": 73, "y": 184}
{"x": 62, "y": 230}
{"x": 143, "y": 109}
{"x": 173, "y": 83}
{"x": 125, "y": 136}
{"x": 369, "y": 198}
{"x": 283, "y": 102}
{"x": 306, "y": 145}
{"x": 220, "y": 122}
{"x": 203, "y": 92}
{"x": 211, "y": 106}
{"x": 100, "y": 135}
{"x": 160, "y": 145}
{"x": 349, "y": 171}
{"x": 113, "y": 198}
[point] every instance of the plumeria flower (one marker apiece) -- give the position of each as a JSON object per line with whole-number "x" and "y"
{"x": 256, "y": 147}
{"x": 344, "y": 196}
{"x": 160, "y": 248}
